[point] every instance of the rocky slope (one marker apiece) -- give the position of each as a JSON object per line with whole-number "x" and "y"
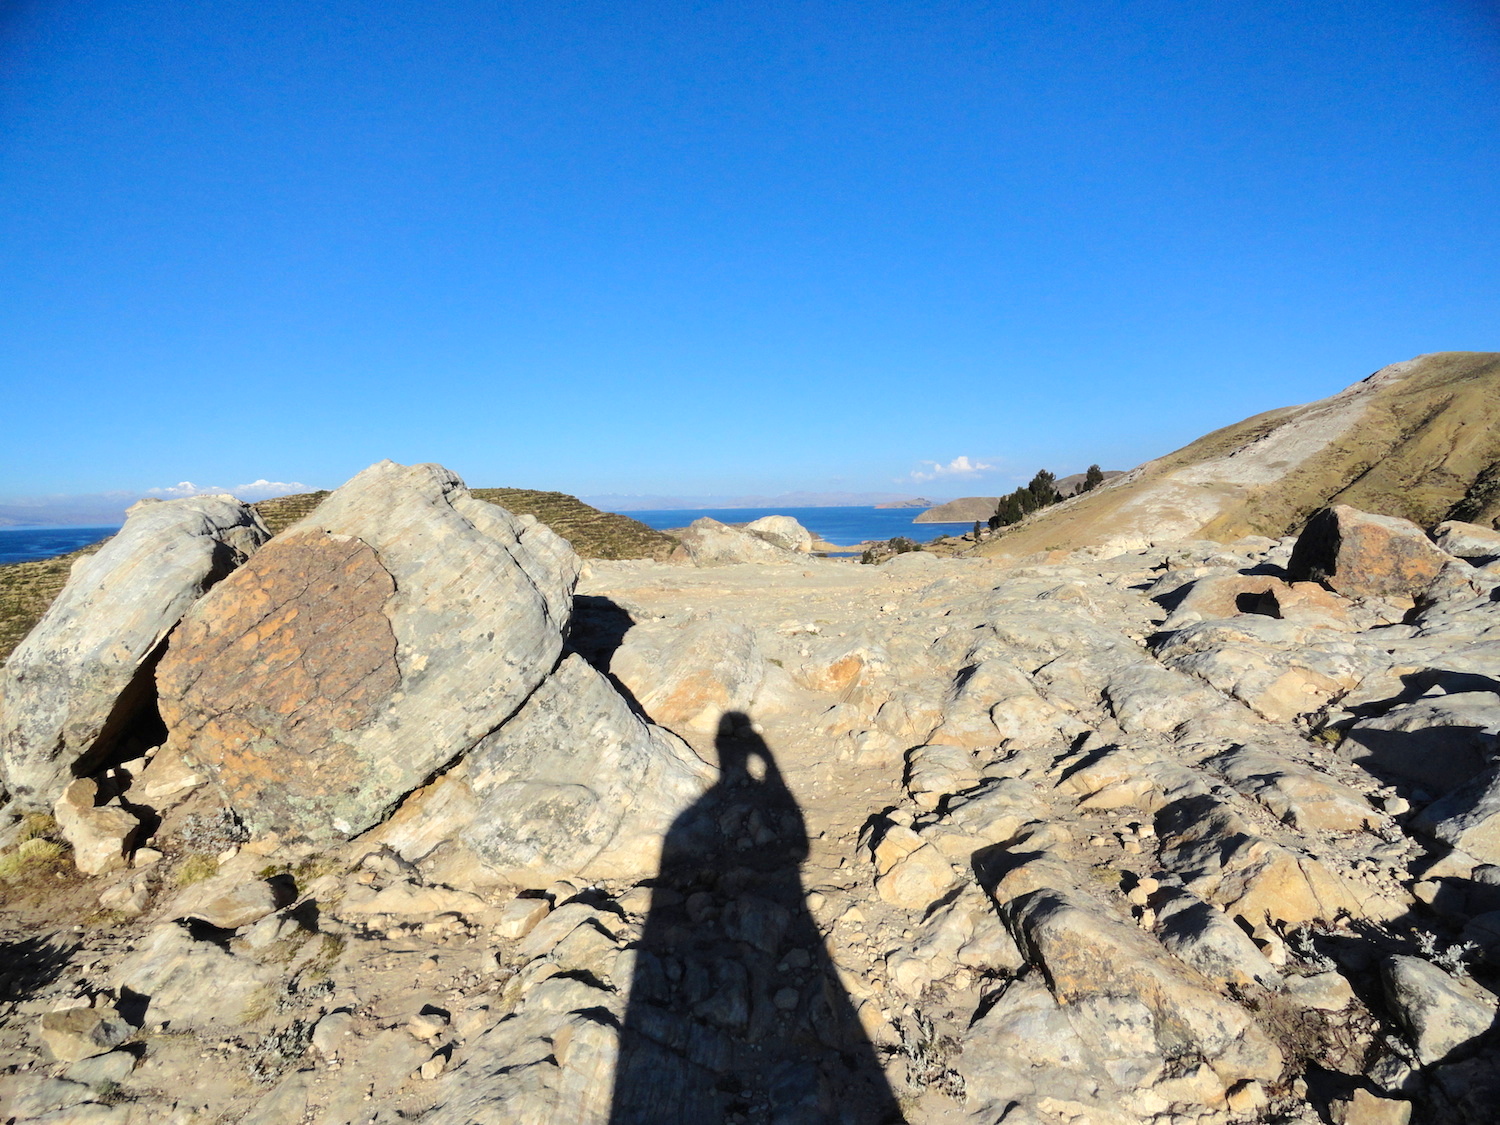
{"x": 1419, "y": 440}
{"x": 437, "y": 827}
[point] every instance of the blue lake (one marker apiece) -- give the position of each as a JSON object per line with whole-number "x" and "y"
{"x": 844, "y": 526}
{"x": 27, "y": 544}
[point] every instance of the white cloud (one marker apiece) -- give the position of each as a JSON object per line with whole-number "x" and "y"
{"x": 256, "y": 490}
{"x": 958, "y": 467}
{"x": 265, "y": 489}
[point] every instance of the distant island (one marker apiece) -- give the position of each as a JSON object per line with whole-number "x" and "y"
{"x": 914, "y": 502}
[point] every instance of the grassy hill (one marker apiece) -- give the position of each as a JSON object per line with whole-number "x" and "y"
{"x": 280, "y": 513}
{"x": 1419, "y": 440}
{"x": 27, "y": 589}
{"x": 594, "y": 534}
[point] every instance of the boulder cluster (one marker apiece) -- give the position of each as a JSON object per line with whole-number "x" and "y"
{"x": 406, "y": 814}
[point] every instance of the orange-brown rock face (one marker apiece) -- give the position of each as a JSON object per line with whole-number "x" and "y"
{"x": 295, "y": 652}
{"x": 1363, "y": 555}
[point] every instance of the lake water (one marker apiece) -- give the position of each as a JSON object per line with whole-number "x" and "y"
{"x": 844, "y": 526}
{"x": 27, "y": 544}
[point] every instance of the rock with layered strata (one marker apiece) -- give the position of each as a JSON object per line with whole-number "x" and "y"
{"x": 1295, "y": 795}
{"x": 707, "y": 542}
{"x": 1443, "y": 741}
{"x": 1132, "y": 991}
{"x": 368, "y": 646}
{"x": 1359, "y": 554}
{"x": 79, "y": 681}
{"x": 783, "y": 532}
{"x": 1468, "y": 818}
{"x": 1222, "y": 860}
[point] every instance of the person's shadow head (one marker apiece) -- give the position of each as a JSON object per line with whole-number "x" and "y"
{"x": 735, "y": 1009}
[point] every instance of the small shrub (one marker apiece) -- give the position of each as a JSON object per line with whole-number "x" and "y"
{"x": 928, "y": 1056}
{"x": 35, "y": 856}
{"x": 36, "y": 826}
{"x": 1452, "y": 958}
{"x": 279, "y": 1049}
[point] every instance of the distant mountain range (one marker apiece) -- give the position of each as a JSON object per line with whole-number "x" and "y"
{"x": 615, "y": 502}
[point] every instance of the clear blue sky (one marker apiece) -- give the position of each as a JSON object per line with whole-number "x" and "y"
{"x": 708, "y": 247}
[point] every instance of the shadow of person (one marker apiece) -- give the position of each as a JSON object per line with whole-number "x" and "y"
{"x": 735, "y": 1011}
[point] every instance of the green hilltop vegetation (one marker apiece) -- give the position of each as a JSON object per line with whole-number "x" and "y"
{"x": 280, "y": 513}
{"x": 27, "y": 588}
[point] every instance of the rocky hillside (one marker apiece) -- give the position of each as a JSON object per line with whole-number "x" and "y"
{"x": 1419, "y": 440}
{"x": 408, "y": 822}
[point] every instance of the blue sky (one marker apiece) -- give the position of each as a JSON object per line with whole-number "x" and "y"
{"x": 714, "y": 247}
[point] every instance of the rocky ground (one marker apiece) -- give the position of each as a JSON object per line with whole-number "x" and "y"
{"x": 1190, "y": 833}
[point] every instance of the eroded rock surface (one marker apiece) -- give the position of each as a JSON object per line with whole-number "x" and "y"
{"x": 370, "y": 645}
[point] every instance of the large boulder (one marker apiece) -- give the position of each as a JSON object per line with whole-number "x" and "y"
{"x": 707, "y": 542}
{"x": 76, "y": 685}
{"x": 1359, "y": 554}
{"x": 783, "y": 532}
{"x": 367, "y": 647}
